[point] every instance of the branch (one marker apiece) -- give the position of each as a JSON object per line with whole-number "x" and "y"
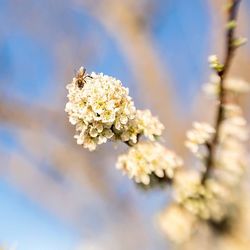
{"x": 230, "y": 49}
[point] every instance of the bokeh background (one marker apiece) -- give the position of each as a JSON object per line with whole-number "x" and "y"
{"x": 54, "y": 195}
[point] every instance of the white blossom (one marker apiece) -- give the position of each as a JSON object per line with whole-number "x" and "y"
{"x": 212, "y": 88}
{"x": 231, "y": 155}
{"x": 101, "y": 109}
{"x": 199, "y": 135}
{"x": 146, "y": 158}
{"x": 234, "y": 85}
{"x": 143, "y": 124}
{"x": 150, "y": 125}
{"x": 237, "y": 85}
{"x": 177, "y": 223}
{"x": 100, "y": 106}
{"x": 209, "y": 200}
{"x": 214, "y": 62}
{"x": 234, "y": 127}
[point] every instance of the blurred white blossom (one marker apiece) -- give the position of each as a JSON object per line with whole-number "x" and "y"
{"x": 235, "y": 128}
{"x": 199, "y": 135}
{"x": 237, "y": 85}
{"x": 231, "y": 156}
{"x": 213, "y": 198}
{"x": 146, "y": 158}
{"x": 177, "y": 223}
{"x": 209, "y": 200}
{"x": 212, "y": 88}
{"x": 234, "y": 85}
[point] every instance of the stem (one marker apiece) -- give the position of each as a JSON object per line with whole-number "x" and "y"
{"x": 229, "y": 53}
{"x": 131, "y": 144}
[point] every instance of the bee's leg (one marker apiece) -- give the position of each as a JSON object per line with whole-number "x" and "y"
{"x": 89, "y": 76}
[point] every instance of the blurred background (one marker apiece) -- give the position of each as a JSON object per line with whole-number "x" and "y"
{"x": 55, "y": 195}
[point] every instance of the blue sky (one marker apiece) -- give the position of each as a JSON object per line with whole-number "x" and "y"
{"x": 29, "y": 227}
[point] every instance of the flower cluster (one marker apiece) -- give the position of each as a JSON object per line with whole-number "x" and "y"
{"x": 96, "y": 107}
{"x": 177, "y": 223}
{"x": 212, "y": 88}
{"x": 198, "y": 136}
{"x": 237, "y": 85}
{"x": 232, "y": 85}
{"x": 143, "y": 124}
{"x": 231, "y": 158}
{"x": 101, "y": 109}
{"x": 146, "y": 159}
{"x": 213, "y": 198}
{"x": 150, "y": 125}
{"x": 209, "y": 201}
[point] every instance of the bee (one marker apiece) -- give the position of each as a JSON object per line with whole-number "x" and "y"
{"x": 81, "y": 76}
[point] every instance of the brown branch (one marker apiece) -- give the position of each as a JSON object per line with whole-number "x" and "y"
{"x": 230, "y": 49}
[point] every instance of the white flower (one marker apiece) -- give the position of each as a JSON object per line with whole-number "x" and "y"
{"x": 143, "y": 124}
{"x": 231, "y": 162}
{"x": 231, "y": 155}
{"x": 177, "y": 223}
{"x": 232, "y": 110}
{"x": 199, "y": 135}
{"x": 146, "y": 158}
{"x": 101, "y": 109}
{"x": 214, "y": 62}
{"x": 150, "y": 125}
{"x": 237, "y": 85}
{"x": 208, "y": 201}
{"x": 212, "y": 88}
{"x": 234, "y": 127}
{"x": 99, "y": 106}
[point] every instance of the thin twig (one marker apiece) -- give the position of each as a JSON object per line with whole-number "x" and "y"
{"x": 230, "y": 49}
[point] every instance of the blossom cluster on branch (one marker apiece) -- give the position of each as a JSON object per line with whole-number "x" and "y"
{"x": 213, "y": 199}
{"x": 148, "y": 158}
{"x": 102, "y": 110}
